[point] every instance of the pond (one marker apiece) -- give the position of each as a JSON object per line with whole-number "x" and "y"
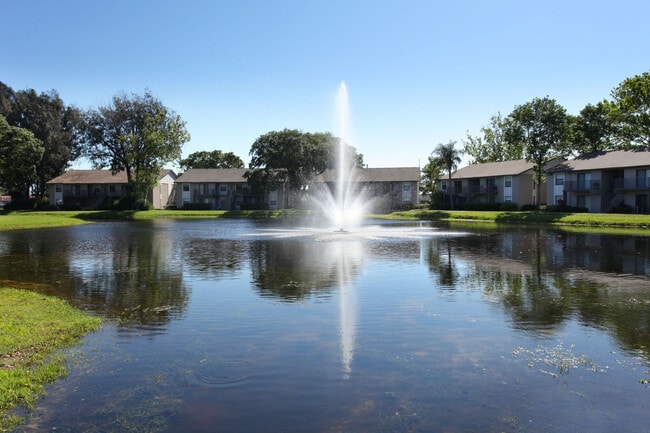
{"x": 244, "y": 326}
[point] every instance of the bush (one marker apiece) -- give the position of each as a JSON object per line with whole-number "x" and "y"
{"x": 529, "y": 207}
{"x": 620, "y": 209}
{"x": 439, "y": 206}
{"x": 28, "y": 204}
{"x": 131, "y": 203}
{"x": 508, "y": 207}
{"x": 197, "y": 206}
{"x": 566, "y": 209}
{"x": 483, "y": 206}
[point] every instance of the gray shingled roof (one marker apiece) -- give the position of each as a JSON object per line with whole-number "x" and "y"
{"x": 388, "y": 174}
{"x": 606, "y": 160}
{"x": 90, "y": 176}
{"x": 213, "y": 175}
{"x": 492, "y": 169}
{"x": 95, "y": 177}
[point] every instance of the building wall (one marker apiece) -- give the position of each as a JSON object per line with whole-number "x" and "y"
{"x": 85, "y": 195}
{"x": 161, "y": 196}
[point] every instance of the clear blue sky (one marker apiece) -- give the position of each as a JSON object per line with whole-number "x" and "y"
{"x": 418, "y": 72}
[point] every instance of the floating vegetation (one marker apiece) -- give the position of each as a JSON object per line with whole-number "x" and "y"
{"x": 561, "y": 359}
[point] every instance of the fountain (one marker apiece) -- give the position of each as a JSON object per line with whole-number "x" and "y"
{"x": 341, "y": 200}
{"x": 345, "y": 204}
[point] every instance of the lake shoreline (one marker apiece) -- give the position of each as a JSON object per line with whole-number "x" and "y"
{"x": 48, "y": 219}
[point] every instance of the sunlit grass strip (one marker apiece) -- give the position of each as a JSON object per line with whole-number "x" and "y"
{"x": 553, "y": 218}
{"x": 247, "y": 214}
{"x": 33, "y": 327}
{"x": 32, "y": 220}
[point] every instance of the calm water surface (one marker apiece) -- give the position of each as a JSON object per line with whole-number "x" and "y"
{"x": 239, "y": 326}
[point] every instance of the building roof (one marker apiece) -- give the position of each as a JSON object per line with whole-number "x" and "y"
{"x": 492, "y": 169}
{"x": 216, "y": 175}
{"x": 98, "y": 177}
{"x": 386, "y": 174}
{"x": 495, "y": 169}
{"x": 606, "y": 160}
{"x": 235, "y": 175}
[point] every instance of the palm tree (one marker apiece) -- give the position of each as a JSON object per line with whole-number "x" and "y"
{"x": 449, "y": 158}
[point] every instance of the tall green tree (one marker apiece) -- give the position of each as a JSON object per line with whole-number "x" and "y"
{"x": 542, "y": 127}
{"x": 53, "y": 122}
{"x": 292, "y": 158}
{"x": 592, "y": 130}
{"x": 447, "y": 157}
{"x": 212, "y": 159}
{"x": 492, "y": 146}
{"x": 631, "y": 111}
{"x": 20, "y": 152}
{"x": 137, "y": 134}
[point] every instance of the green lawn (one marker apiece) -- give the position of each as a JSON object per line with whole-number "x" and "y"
{"x": 29, "y": 220}
{"x": 640, "y": 222}
{"x": 33, "y": 330}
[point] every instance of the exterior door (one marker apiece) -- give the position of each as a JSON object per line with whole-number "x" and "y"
{"x": 641, "y": 203}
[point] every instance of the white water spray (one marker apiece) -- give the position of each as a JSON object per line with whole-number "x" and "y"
{"x": 344, "y": 204}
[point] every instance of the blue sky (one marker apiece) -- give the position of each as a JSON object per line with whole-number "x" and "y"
{"x": 418, "y": 72}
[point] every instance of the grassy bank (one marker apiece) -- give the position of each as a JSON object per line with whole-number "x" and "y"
{"x": 27, "y": 220}
{"x": 31, "y": 220}
{"x": 33, "y": 329}
{"x": 641, "y": 222}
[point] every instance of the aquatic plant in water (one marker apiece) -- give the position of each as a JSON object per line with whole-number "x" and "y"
{"x": 561, "y": 358}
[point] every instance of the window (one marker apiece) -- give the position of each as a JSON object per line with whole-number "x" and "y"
{"x": 508, "y": 182}
{"x": 559, "y": 179}
{"x": 406, "y": 187}
{"x": 111, "y": 188}
{"x": 508, "y": 199}
{"x": 223, "y": 188}
{"x": 58, "y": 188}
{"x": 186, "y": 188}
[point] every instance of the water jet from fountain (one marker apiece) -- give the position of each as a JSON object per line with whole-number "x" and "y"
{"x": 344, "y": 203}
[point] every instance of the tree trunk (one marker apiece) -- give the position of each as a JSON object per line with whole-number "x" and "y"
{"x": 451, "y": 194}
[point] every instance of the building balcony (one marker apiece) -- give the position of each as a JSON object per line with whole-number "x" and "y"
{"x": 486, "y": 190}
{"x": 584, "y": 187}
{"x": 631, "y": 184}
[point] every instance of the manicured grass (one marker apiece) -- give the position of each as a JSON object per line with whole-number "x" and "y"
{"x": 250, "y": 214}
{"x": 532, "y": 218}
{"x": 29, "y": 219}
{"x": 33, "y": 329}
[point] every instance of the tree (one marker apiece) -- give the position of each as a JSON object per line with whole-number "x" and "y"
{"x": 352, "y": 157}
{"x": 292, "y": 158}
{"x": 137, "y": 134}
{"x": 51, "y": 121}
{"x": 20, "y": 152}
{"x": 430, "y": 173}
{"x": 213, "y": 159}
{"x": 542, "y": 127}
{"x": 631, "y": 111}
{"x": 492, "y": 147}
{"x": 447, "y": 157}
{"x": 592, "y": 130}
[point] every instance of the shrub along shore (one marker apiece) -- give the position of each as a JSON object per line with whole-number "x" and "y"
{"x": 41, "y": 219}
